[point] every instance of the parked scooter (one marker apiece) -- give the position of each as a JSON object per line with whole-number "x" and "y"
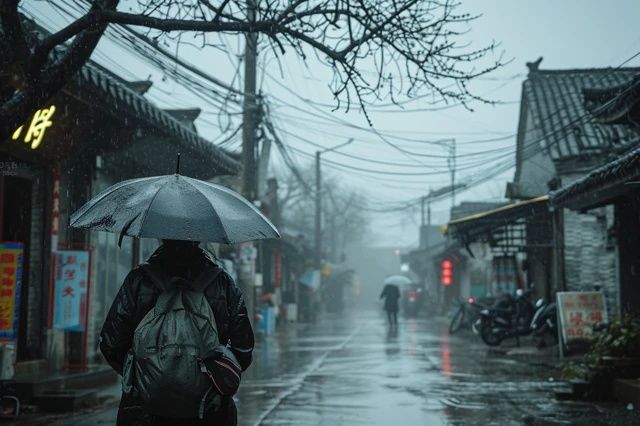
{"x": 510, "y": 317}
{"x": 545, "y": 322}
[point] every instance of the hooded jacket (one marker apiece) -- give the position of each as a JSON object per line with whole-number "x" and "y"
{"x": 138, "y": 295}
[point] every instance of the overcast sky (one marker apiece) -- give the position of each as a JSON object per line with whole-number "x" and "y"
{"x": 567, "y": 33}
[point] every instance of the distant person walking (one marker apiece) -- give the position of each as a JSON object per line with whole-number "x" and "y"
{"x": 391, "y": 294}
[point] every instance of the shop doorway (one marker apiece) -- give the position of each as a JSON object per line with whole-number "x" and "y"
{"x": 16, "y": 217}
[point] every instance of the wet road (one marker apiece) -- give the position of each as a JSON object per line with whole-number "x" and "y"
{"x": 352, "y": 370}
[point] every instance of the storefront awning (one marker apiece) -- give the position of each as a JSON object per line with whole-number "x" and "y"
{"x": 468, "y": 228}
{"x": 602, "y": 185}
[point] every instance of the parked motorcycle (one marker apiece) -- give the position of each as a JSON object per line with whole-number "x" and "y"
{"x": 510, "y": 317}
{"x": 545, "y": 322}
{"x": 468, "y": 314}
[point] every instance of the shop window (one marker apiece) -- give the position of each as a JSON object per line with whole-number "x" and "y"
{"x": 113, "y": 264}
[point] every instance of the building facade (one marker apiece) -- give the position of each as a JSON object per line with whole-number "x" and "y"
{"x": 99, "y": 130}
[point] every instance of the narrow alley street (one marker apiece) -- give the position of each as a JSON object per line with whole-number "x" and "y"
{"x": 352, "y": 370}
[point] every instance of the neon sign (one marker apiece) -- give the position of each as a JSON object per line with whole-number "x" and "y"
{"x": 446, "y": 272}
{"x": 35, "y": 131}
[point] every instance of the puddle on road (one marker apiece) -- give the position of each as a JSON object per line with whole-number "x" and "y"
{"x": 455, "y": 403}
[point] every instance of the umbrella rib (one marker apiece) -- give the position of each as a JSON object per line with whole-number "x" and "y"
{"x": 102, "y": 196}
{"x": 226, "y": 233}
{"x": 144, "y": 217}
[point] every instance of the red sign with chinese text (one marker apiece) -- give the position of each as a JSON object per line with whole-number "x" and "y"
{"x": 578, "y": 312}
{"x": 70, "y": 285}
{"x": 10, "y": 286}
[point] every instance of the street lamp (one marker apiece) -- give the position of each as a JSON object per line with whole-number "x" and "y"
{"x": 318, "y": 251}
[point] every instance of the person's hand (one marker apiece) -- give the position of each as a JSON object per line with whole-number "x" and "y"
{"x": 224, "y": 370}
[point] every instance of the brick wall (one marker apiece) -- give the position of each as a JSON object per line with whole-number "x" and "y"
{"x": 588, "y": 260}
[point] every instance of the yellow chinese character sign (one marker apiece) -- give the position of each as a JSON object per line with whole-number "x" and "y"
{"x": 40, "y": 122}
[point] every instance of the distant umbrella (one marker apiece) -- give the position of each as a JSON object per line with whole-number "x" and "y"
{"x": 397, "y": 280}
{"x": 174, "y": 207}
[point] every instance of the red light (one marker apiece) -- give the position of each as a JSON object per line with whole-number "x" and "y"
{"x": 446, "y": 272}
{"x": 471, "y": 300}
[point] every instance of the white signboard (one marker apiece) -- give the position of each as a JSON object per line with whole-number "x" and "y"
{"x": 578, "y": 311}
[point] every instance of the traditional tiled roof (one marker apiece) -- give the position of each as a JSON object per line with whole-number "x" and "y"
{"x": 127, "y": 97}
{"x": 555, "y": 100}
{"x": 119, "y": 95}
{"x": 614, "y": 105}
{"x": 598, "y": 186}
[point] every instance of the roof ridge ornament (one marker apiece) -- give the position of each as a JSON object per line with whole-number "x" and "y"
{"x": 534, "y": 66}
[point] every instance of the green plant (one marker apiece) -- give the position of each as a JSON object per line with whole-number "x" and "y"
{"x": 621, "y": 339}
{"x": 574, "y": 371}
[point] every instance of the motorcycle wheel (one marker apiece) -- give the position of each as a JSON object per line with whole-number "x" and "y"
{"x": 487, "y": 334}
{"x": 457, "y": 321}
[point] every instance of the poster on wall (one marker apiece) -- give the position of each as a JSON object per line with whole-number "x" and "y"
{"x": 11, "y": 256}
{"x": 507, "y": 278}
{"x": 70, "y": 284}
{"x": 578, "y": 312}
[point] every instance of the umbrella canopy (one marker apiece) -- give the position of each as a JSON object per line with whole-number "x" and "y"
{"x": 174, "y": 207}
{"x": 397, "y": 280}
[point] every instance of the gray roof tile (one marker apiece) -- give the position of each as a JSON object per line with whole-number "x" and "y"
{"x": 556, "y": 101}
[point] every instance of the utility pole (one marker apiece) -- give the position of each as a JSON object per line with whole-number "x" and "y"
{"x": 318, "y": 230}
{"x": 452, "y": 168}
{"x": 247, "y": 261}
{"x": 250, "y": 111}
{"x": 318, "y": 233}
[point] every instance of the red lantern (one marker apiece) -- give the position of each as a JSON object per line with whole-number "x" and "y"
{"x": 446, "y": 272}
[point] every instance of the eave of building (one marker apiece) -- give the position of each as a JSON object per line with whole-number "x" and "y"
{"x": 602, "y": 185}
{"x": 492, "y": 219}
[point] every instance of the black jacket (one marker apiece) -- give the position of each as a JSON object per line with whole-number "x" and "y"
{"x": 138, "y": 295}
{"x": 391, "y": 294}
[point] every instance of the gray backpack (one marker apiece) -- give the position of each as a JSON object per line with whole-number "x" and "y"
{"x": 164, "y": 366}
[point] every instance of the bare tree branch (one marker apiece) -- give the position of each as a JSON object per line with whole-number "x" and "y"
{"x": 415, "y": 46}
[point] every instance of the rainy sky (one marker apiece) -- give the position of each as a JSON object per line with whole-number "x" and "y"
{"x": 567, "y": 33}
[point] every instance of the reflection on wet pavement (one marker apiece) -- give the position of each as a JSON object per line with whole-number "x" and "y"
{"x": 356, "y": 371}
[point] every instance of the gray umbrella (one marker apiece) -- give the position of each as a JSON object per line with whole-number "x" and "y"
{"x": 174, "y": 207}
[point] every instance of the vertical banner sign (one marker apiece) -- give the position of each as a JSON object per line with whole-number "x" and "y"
{"x": 55, "y": 211}
{"x": 70, "y": 279}
{"x": 578, "y": 312}
{"x": 11, "y": 255}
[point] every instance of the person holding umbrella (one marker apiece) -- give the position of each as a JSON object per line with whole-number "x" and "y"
{"x": 178, "y": 330}
{"x": 391, "y": 294}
